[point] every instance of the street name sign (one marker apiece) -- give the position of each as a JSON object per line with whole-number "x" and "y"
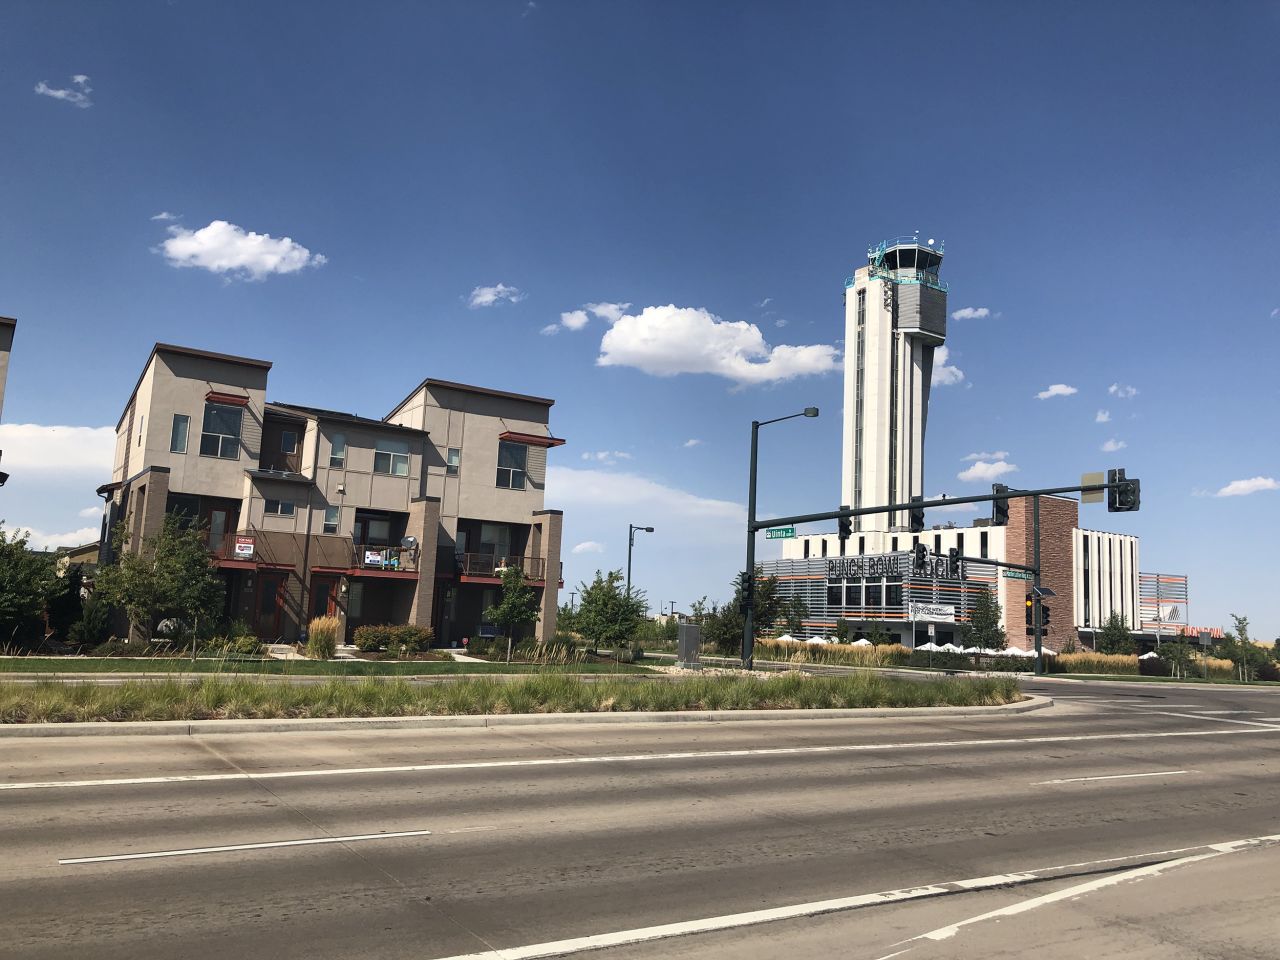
{"x": 780, "y": 533}
{"x": 1019, "y": 575}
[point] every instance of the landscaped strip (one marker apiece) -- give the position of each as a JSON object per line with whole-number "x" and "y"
{"x": 325, "y": 668}
{"x": 239, "y": 697}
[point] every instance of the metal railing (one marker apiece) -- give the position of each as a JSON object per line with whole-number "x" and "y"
{"x": 488, "y": 565}
{"x": 371, "y": 556}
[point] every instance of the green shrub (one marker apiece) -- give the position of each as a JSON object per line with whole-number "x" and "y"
{"x": 244, "y": 646}
{"x": 370, "y": 638}
{"x": 1099, "y": 663}
{"x": 483, "y": 646}
{"x": 95, "y": 620}
{"x": 115, "y": 647}
{"x": 322, "y": 638}
{"x": 407, "y": 639}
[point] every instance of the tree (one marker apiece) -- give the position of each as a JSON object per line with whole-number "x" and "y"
{"x": 794, "y": 610}
{"x": 171, "y": 576}
{"x": 842, "y": 630}
{"x": 1177, "y": 654}
{"x": 567, "y": 619}
{"x": 878, "y": 635}
{"x": 767, "y": 608}
{"x": 27, "y": 581}
{"x": 64, "y": 604}
{"x": 1115, "y": 636}
{"x": 607, "y": 616}
{"x": 986, "y": 629}
{"x": 698, "y": 610}
{"x": 518, "y": 606}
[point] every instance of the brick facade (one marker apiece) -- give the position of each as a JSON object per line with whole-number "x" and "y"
{"x": 1058, "y": 518}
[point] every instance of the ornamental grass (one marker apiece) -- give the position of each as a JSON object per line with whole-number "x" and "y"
{"x": 244, "y": 697}
{"x": 835, "y": 654}
{"x": 1101, "y": 663}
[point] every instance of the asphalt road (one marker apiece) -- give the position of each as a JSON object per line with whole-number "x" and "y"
{"x": 1125, "y": 821}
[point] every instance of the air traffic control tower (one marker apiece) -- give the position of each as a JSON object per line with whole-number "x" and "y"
{"x": 895, "y": 317}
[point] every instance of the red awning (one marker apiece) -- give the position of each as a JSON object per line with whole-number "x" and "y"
{"x": 532, "y": 439}
{"x": 213, "y": 396}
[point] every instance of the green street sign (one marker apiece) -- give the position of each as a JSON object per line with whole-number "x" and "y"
{"x": 1018, "y": 575}
{"x": 780, "y": 533}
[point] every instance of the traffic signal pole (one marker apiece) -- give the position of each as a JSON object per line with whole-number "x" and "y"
{"x": 749, "y": 578}
{"x": 1037, "y": 611}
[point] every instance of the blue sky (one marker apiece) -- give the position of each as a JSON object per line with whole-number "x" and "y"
{"x": 1103, "y": 176}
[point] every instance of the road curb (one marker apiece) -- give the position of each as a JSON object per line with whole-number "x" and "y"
{"x": 194, "y": 728}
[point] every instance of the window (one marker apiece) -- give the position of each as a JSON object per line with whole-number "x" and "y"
{"x": 982, "y": 544}
{"x": 355, "y": 600}
{"x": 862, "y": 545}
{"x": 221, "y": 434}
{"x": 960, "y": 543}
{"x": 453, "y": 462}
{"x": 512, "y": 459}
{"x": 806, "y": 549}
{"x": 289, "y": 441}
{"x": 824, "y": 546}
{"x": 893, "y": 545}
{"x": 142, "y": 422}
{"x": 278, "y": 508}
{"x": 338, "y": 452}
{"x": 893, "y": 595}
{"x": 331, "y": 519}
{"x": 178, "y": 436}
{"x": 937, "y": 544}
{"x": 874, "y": 593}
{"x": 392, "y": 457}
{"x": 834, "y": 595}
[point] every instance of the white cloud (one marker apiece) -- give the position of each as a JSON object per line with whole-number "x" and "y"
{"x": 588, "y": 546}
{"x": 33, "y": 447}
{"x": 692, "y": 442}
{"x": 1112, "y": 445}
{"x": 225, "y": 248}
{"x": 90, "y": 512}
{"x": 1275, "y": 314}
{"x": 77, "y": 93}
{"x": 1241, "y": 488}
{"x": 1122, "y": 390}
{"x": 669, "y": 340}
{"x": 953, "y": 508}
{"x": 765, "y": 302}
{"x": 944, "y": 375}
{"x": 781, "y": 322}
{"x": 985, "y": 471}
{"x": 970, "y": 313}
{"x": 550, "y": 330}
{"x": 650, "y": 500}
{"x": 1104, "y": 416}
{"x": 39, "y": 540}
{"x": 166, "y": 215}
{"x": 613, "y": 312}
{"x": 1056, "y": 390}
{"x": 574, "y": 319}
{"x": 606, "y": 457}
{"x": 488, "y": 296}
{"x": 997, "y": 455}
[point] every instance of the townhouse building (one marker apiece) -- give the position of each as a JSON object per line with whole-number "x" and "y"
{"x": 309, "y": 511}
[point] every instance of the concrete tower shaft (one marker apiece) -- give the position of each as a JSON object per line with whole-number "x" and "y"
{"x": 895, "y": 317}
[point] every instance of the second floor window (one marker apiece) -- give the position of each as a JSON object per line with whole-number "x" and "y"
{"x": 512, "y": 461}
{"x": 278, "y": 508}
{"x": 221, "y": 434}
{"x": 289, "y": 441}
{"x": 338, "y": 452}
{"x": 331, "y": 519}
{"x": 178, "y": 437}
{"x": 454, "y": 463}
{"x": 391, "y": 456}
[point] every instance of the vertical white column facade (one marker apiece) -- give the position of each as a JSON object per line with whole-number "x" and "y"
{"x": 892, "y": 325}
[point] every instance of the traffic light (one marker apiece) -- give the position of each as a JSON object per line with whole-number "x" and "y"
{"x": 999, "y": 506}
{"x": 920, "y": 556}
{"x": 917, "y": 516}
{"x": 953, "y": 562}
{"x": 1124, "y": 498}
{"x": 746, "y": 591}
{"x": 1031, "y": 612}
{"x": 1044, "y": 614}
{"x": 845, "y": 525}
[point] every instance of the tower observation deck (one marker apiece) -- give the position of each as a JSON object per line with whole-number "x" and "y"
{"x": 895, "y": 317}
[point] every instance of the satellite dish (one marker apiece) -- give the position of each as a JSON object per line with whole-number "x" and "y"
{"x": 408, "y": 542}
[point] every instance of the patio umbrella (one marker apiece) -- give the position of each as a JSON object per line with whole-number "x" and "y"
{"x": 929, "y": 647}
{"x": 861, "y": 642}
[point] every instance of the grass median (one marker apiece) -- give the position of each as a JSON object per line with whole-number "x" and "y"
{"x": 240, "y": 697}
{"x": 307, "y": 668}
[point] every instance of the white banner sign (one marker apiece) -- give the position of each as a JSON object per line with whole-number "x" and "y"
{"x": 933, "y": 612}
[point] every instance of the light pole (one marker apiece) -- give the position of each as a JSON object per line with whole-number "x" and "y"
{"x": 749, "y": 584}
{"x": 631, "y": 542}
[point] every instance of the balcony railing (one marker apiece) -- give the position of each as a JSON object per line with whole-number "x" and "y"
{"x": 368, "y": 556}
{"x": 488, "y": 565}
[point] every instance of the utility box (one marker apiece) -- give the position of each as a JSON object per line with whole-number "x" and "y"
{"x": 688, "y": 642}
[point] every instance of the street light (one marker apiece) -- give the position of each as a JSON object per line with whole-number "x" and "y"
{"x": 631, "y": 542}
{"x": 749, "y": 584}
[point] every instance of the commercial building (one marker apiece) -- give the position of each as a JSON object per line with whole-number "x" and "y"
{"x": 895, "y": 318}
{"x": 308, "y": 511}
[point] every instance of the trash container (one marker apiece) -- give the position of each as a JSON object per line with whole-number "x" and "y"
{"x": 688, "y": 640}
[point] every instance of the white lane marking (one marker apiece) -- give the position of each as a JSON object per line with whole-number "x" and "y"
{"x": 1255, "y": 727}
{"x": 1114, "y": 776}
{"x": 557, "y": 948}
{"x": 1207, "y": 713}
{"x": 268, "y": 845}
{"x": 1197, "y": 716}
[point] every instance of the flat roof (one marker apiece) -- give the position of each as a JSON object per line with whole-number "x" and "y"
{"x": 187, "y": 352}
{"x": 469, "y": 388}
{"x": 8, "y": 322}
{"x": 337, "y": 416}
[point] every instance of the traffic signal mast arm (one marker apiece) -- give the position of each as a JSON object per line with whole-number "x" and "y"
{"x": 940, "y": 502}
{"x": 997, "y": 563}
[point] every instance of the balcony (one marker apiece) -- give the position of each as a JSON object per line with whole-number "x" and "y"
{"x": 489, "y": 566}
{"x": 368, "y": 556}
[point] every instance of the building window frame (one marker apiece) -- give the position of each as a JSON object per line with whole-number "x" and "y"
{"x": 338, "y": 451}
{"x": 178, "y": 438}
{"x": 217, "y": 439}
{"x": 332, "y": 515}
{"x": 278, "y": 508}
{"x": 289, "y": 442}
{"x": 391, "y": 457}
{"x": 513, "y": 465}
{"x": 453, "y": 462}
